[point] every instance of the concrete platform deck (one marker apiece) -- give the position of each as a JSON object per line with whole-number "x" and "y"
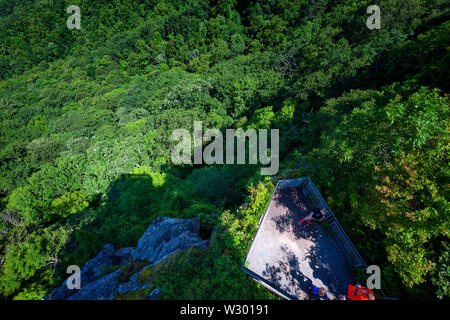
{"x": 288, "y": 257}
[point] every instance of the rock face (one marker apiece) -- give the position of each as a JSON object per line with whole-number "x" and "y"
{"x": 101, "y": 289}
{"x": 132, "y": 285}
{"x": 154, "y": 295}
{"x": 95, "y": 268}
{"x": 163, "y": 237}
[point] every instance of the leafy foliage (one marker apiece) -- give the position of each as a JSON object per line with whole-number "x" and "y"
{"x": 86, "y": 117}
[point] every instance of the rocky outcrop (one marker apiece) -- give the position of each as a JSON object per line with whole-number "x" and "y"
{"x": 165, "y": 236}
{"x": 105, "y": 260}
{"x": 100, "y": 276}
{"x": 154, "y": 295}
{"x": 132, "y": 284}
{"x": 101, "y": 289}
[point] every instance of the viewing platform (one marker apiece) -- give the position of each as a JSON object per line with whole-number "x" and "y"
{"x": 287, "y": 257}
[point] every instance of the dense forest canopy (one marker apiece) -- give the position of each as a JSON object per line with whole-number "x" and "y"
{"x": 86, "y": 117}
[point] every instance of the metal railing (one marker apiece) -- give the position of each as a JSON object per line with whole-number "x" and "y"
{"x": 313, "y": 195}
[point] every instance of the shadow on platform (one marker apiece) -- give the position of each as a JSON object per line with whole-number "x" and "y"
{"x": 289, "y": 257}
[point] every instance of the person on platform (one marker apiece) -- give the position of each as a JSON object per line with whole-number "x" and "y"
{"x": 321, "y": 292}
{"x": 358, "y": 292}
{"x": 315, "y": 214}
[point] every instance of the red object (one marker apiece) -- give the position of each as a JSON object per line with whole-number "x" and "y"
{"x": 359, "y": 293}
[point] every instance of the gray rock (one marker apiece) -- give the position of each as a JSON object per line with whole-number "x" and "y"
{"x": 123, "y": 255}
{"x": 101, "y": 289}
{"x": 131, "y": 285}
{"x": 92, "y": 270}
{"x": 154, "y": 295}
{"x": 99, "y": 265}
{"x": 166, "y": 235}
{"x": 60, "y": 292}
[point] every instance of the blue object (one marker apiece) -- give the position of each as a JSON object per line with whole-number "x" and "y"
{"x": 315, "y": 290}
